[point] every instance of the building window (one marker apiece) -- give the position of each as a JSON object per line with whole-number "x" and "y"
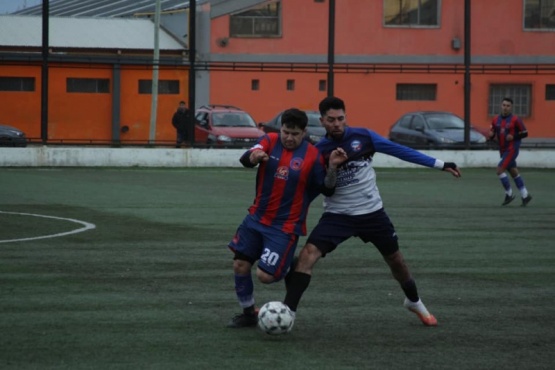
{"x": 539, "y": 15}
{"x": 88, "y": 85}
{"x": 17, "y": 84}
{"x": 164, "y": 87}
{"x": 322, "y": 85}
{"x": 416, "y": 91}
{"x": 255, "y": 85}
{"x": 411, "y": 12}
{"x": 260, "y": 21}
{"x": 521, "y": 95}
{"x": 549, "y": 92}
{"x": 290, "y": 85}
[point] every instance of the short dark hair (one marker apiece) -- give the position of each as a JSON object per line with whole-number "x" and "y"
{"x": 331, "y": 102}
{"x": 508, "y": 99}
{"x": 294, "y": 118}
{"x": 181, "y": 102}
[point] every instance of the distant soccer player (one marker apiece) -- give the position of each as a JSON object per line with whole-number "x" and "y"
{"x": 291, "y": 174}
{"x": 356, "y": 209}
{"x": 509, "y": 130}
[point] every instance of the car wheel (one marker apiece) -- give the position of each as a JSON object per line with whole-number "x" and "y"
{"x": 5, "y": 141}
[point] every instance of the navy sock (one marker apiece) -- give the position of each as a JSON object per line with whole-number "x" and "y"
{"x": 409, "y": 287}
{"x": 244, "y": 289}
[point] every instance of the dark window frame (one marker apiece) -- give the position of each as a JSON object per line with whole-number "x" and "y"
{"x": 550, "y": 92}
{"x": 416, "y": 92}
{"x": 521, "y": 93}
{"x": 538, "y": 15}
{"x": 165, "y": 87}
{"x": 261, "y": 21}
{"x": 79, "y": 85}
{"x": 14, "y": 83}
{"x": 418, "y": 17}
{"x": 290, "y": 85}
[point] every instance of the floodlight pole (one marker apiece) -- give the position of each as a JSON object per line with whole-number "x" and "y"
{"x": 192, "y": 68}
{"x": 467, "y": 62}
{"x": 44, "y": 73}
{"x": 331, "y": 46}
{"x": 155, "y": 73}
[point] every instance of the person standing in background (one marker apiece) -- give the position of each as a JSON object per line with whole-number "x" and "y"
{"x": 509, "y": 130}
{"x": 180, "y": 121}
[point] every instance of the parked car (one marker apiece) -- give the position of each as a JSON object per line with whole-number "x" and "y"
{"x": 11, "y": 136}
{"x": 433, "y": 130}
{"x": 225, "y": 126}
{"x": 314, "y": 130}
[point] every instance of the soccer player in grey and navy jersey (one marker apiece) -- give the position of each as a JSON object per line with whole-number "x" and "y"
{"x": 356, "y": 208}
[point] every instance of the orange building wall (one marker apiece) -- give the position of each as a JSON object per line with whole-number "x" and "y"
{"x": 371, "y": 98}
{"x": 136, "y": 108}
{"x": 78, "y": 116}
{"x": 22, "y": 109}
{"x": 303, "y": 23}
{"x": 87, "y": 117}
{"x": 272, "y": 97}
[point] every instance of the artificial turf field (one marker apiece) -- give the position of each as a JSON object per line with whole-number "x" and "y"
{"x": 151, "y": 286}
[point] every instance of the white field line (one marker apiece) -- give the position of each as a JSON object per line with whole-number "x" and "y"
{"x": 86, "y": 226}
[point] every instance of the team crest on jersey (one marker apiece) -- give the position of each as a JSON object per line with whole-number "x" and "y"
{"x": 282, "y": 173}
{"x": 296, "y": 163}
{"x": 356, "y": 145}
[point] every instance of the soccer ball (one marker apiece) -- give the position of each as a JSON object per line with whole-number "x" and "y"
{"x": 275, "y": 318}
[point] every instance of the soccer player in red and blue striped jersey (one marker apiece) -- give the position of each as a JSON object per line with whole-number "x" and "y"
{"x": 291, "y": 174}
{"x": 509, "y": 130}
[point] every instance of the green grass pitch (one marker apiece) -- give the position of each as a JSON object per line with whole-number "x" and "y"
{"x": 151, "y": 287}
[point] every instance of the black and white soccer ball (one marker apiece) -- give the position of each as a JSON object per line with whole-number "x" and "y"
{"x": 275, "y": 318}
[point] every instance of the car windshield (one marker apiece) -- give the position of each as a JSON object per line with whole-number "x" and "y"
{"x": 232, "y": 119}
{"x": 314, "y": 119}
{"x": 444, "y": 122}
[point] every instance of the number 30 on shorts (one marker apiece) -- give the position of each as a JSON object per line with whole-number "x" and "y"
{"x": 268, "y": 257}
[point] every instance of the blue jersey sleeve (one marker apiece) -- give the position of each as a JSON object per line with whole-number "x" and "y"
{"x": 382, "y": 145}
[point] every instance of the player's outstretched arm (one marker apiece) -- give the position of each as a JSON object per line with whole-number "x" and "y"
{"x": 452, "y": 168}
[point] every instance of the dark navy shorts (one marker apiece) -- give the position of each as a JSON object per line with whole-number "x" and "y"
{"x": 508, "y": 159}
{"x": 375, "y": 227}
{"x": 272, "y": 248}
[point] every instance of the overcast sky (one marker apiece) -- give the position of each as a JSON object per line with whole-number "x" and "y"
{"x": 10, "y": 6}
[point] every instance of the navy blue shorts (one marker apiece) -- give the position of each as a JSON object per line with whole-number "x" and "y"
{"x": 375, "y": 227}
{"x": 508, "y": 159}
{"x": 272, "y": 248}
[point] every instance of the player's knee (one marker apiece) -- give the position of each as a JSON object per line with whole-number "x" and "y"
{"x": 395, "y": 260}
{"x": 264, "y": 277}
{"x": 241, "y": 267}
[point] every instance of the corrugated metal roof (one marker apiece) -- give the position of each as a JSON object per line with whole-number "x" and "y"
{"x": 104, "y": 8}
{"x": 94, "y": 33}
{"x": 130, "y": 8}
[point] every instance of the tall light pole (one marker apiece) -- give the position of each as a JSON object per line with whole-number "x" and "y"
{"x": 192, "y": 68}
{"x": 331, "y": 46}
{"x": 44, "y": 73}
{"x": 467, "y": 62}
{"x": 155, "y": 73}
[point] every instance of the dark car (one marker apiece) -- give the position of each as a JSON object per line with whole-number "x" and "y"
{"x": 225, "y": 126}
{"x": 314, "y": 130}
{"x": 434, "y": 130}
{"x": 11, "y": 136}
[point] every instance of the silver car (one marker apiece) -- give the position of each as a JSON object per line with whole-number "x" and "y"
{"x": 11, "y": 136}
{"x": 434, "y": 130}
